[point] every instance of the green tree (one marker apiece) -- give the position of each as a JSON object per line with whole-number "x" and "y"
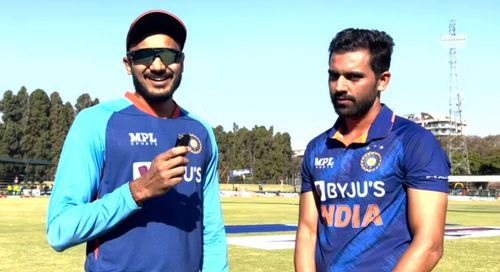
{"x": 475, "y": 162}
{"x": 60, "y": 119}
{"x": 281, "y": 154}
{"x": 70, "y": 113}
{"x": 85, "y": 101}
{"x": 36, "y": 137}
{"x": 4, "y": 108}
{"x": 12, "y": 108}
{"x": 244, "y": 144}
{"x": 296, "y": 168}
{"x": 222, "y": 143}
{"x": 34, "y": 126}
{"x": 269, "y": 156}
{"x": 484, "y": 154}
{"x": 264, "y": 164}
{"x": 491, "y": 165}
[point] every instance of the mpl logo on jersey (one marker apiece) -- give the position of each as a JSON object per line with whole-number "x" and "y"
{"x": 142, "y": 138}
{"x": 323, "y": 162}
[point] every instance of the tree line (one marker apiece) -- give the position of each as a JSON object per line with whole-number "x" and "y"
{"x": 484, "y": 155}
{"x": 267, "y": 156}
{"x": 34, "y": 126}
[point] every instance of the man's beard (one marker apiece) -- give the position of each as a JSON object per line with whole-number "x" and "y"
{"x": 359, "y": 107}
{"x": 154, "y": 98}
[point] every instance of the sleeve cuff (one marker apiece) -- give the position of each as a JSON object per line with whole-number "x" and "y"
{"x": 129, "y": 199}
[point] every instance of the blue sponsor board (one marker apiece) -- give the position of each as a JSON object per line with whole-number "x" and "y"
{"x": 260, "y": 228}
{"x": 287, "y": 241}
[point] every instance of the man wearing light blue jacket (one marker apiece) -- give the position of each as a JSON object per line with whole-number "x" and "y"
{"x": 137, "y": 178}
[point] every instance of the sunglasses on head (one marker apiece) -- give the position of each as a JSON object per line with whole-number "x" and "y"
{"x": 146, "y": 56}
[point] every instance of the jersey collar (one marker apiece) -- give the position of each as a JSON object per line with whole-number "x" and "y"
{"x": 146, "y": 108}
{"x": 380, "y": 128}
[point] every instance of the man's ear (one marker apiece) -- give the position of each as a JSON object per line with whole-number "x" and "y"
{"x": 127, "y": 64}
{"x": 383, "y": 81}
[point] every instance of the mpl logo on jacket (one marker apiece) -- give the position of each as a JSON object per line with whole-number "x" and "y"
{"x": 323, "y": 162}
{"x": 142, "y": 138}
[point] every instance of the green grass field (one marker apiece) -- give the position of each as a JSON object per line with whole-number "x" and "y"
{"x": 23, "y": 246}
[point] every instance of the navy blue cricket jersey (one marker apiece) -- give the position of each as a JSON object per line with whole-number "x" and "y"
{"x": 110, "y": 145}
{"x": 362, "y": 191}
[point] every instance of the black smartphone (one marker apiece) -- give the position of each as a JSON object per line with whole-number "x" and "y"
{"x": 182, "y": 140}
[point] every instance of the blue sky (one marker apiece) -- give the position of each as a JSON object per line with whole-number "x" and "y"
{"x": 258, "y": 62}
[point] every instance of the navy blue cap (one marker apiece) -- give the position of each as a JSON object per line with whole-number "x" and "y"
{"x": 156, "y": 22}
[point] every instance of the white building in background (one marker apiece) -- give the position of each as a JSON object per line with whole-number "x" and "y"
{"x": 298, "y": 153}
{"x": 438, "y": 123}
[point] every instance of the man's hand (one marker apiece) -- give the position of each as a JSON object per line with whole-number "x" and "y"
{"x": 166, "y": 170}
{"x": 307, "y": 232}
{"x": 426, "y": 217}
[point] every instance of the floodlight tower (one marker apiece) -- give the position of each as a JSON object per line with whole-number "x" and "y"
{"x": 457, "y": 144}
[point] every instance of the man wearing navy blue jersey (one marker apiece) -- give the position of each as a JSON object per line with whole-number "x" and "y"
{"x": 125, "y": 186}
{"x": 374, "y": 186}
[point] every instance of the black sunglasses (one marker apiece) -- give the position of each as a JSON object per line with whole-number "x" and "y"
{"x": 146, "y": 56}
